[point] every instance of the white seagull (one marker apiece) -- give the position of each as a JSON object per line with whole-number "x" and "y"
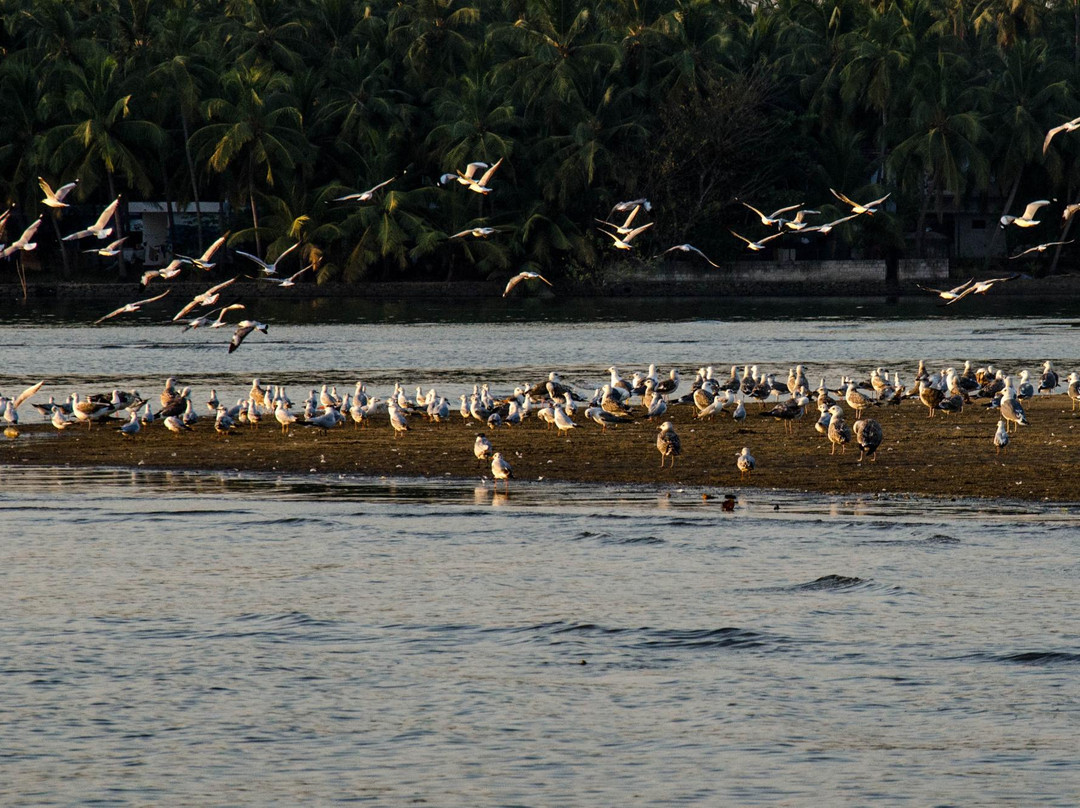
{"x": 130, "y": 307}
{"x": 208, "y": 320}
{"x": 1068, "y": 126}
{"x": 269, "y": 269}
{"x": 948, "y": 294}
{"x": 776, "y": 216}
{"x": 759, "y": 244}
{"x": 291, "y": 280}
{"x": 98, "y": 228}
{"x": 1042, "y": 247}
{"x": 693, "y": 249}
{"x": 207, "y": 298}
{"x": 23, "y": 242}
{"x": 364, "y": 196}
{"x": 203, "y": 261}
{"x": 55, "y": 199}
{"x": 479, "y": 186}
{"x": 501, "y": 470}
{"x": 623, "y": 242}
{"x": 869, "y": 208}
{"x": 745, "y": 462}
{"x": 475, "y": 232}
{"x": 627, "y": 225}
{"x": 982, "y": 287}
{"x": 110, "y": 249}
{"x": 1027, "y": 218}
{"x": 524, "y": 276}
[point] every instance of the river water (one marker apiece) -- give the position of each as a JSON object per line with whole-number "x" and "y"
{"x": 239, "y": 639}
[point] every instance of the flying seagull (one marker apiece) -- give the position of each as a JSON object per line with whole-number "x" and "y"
{"x": 627, "y": 225}
{"x": 948, "y": 294}
{"x": 98, "y": 228}
{"x": 207, "y": 298}
{"x": 1027, "y": 219}
{"x": 23, "y": 242}
{"x": 55, "y": 199}
{"x": 623, "y": 242}
{"x": 269, "y": 269}
{"x": 475, "y": 232}
{"x": 479, "y": 186}
{"x": 524, "y": 276}
{"x": 291, "y": 280}
{"x": 243, "y": 328}
{"x": 1042, "y": 247}
{"x": 982, "y": 287}
{"x": 690, "y": 248}
{"x": 110, "y": 249}
{"x": 1068, "y": 126}
{"x": 364, "y": 196}
{"x": 756, "y": 245}
{"x": 776, "y": 216}
{"x": 869, "y": 208}
{"x": 203, "y": 261}
{"x": 138, "y": 304}
{"x": 208, "y": 318}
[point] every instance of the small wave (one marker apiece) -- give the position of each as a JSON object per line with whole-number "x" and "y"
{"x": 704, "y": 638}
{"x": 646, "y": 638}
{"x": 1042, "y": 658}
{"x": 828, "y": 583}
{"x": 608, "y": 538}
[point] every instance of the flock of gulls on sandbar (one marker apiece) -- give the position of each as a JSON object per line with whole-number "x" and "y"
{"x": 645, "y": 395}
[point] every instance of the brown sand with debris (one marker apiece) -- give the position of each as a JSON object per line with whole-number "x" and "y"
{"x": 951, "y": 456}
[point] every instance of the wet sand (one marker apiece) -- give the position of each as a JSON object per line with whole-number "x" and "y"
{"x": 950, "y": 456}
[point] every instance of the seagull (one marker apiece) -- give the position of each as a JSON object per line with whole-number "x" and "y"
{"x": 562, "y": 420}
{"x": 622, "y": 207}
{"x": 269, "y": 269}
{"x": 110, "y": 249}
{"x": 129, "y": 307}
{"x": 797, "y": 223}
{"x": 175, "y": 425}
{"x": 948, "y": 294}
{"x": 869, "y": 208}
{"x": 1042, "y": 247}
{"x": 479, "y": 186}
{"x": 603, "y": 417}
{"x": 868, "y": 435}
{"x": 482, "y": 447}
{"x": 524, "y": 276}
{"x": 1001, "y": 437}
{"x": 693, "y": 249}
{"x": 475, "y": 232}
{"x": 982, "y": 287}
{"x": 1027, "y": 218}
{"x": 131, "y": 428}
{"x": 623, "y": 243}
{"x": 826, "y": 228}
{"x": 627, "y": 225}
{"x": 25, "y": 394}
{"x": 501, "y": 470}
{"x": 203, "y": 261}
{"x": 291, "y": 280}
{"x": 55, "y": 199}
{"x": 745, "y": 462}
{"x": 839, "y": 432}
{"x": 23, "y": 242}
{"x": 364, "y": 196}
{"x": 775, "y": 216}
{"x": 756, "y": 245}
{"x": 668, "y": 443}
{"x": 284, "y": 416}
{"x": 208, "y": 318}
{"x": 170, "y": 270}
{"x": 243, "y": 328}
{"x": 207, "y": 298}
{"x": 98, "y": 228}
{"x": 1068, "y": 126}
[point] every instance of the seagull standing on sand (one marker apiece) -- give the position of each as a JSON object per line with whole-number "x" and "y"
{"x": 482, "y": 447}
{"x": 98, "y": 228}
{"x": 745, "y": 462}
{"x": 1001, "y": 437}
{"x": 869, "y": 436}
{"x": 501, "y": 470}
{"x": 668, "y": 443}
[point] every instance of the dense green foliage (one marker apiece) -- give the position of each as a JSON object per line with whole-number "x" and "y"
{"x": 282, "y": 105}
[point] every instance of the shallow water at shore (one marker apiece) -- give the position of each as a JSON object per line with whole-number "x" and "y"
{"x": 254, "y": 639}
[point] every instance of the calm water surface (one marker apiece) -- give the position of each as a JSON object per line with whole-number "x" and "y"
{"x": 197, "y": 639}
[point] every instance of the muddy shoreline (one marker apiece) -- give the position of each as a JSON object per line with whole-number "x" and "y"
{"x": 946, "y": 456}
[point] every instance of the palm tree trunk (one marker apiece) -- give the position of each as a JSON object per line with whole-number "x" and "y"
{"x": 1063, "y": 237}
{"x": 191, "y": 173}
{"x": 60, "y": 241}
{"x": 254, "y": 217}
